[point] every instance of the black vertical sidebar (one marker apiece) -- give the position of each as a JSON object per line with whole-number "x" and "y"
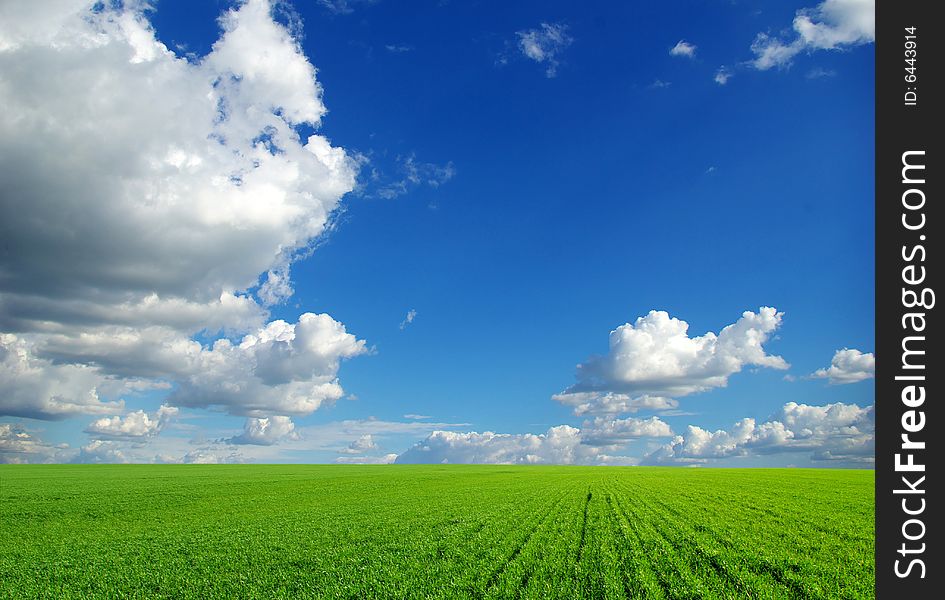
{"x": 910, "y": 370}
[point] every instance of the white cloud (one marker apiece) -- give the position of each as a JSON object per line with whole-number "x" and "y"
{"x": 337, "y": 435}
{"x": 210, "y": 188}
{"x": 411, "y": 174}
{"x": 165, "y": 449}
{"x": 66, "y": 316}
{"x": 277, "y": 288}
{"x": 545, "y": 45}
{"x": 137, "y": 424}
{"x": 683, "y": 48}
{"x": 363, "y": 444}
{"x": 171, "y": 450}
{"x": 366, "y": 460}
{"x": 562, "y": 444}
{"x": 655, "y": 356}
{"x": 211, "y": 456}
{"x": 38, "y": 389}
{"x": 19, "y": 446}
{"x": 177, "y": 184}
{"x": 848, "y": 366}
{"x": 398, "y": 48}
{"x": 723, "y": 75}
{"x": 415, "y": 416}
{"x": 659, "y": 84}
{"x": 15, "y": 439}
{"x": 835, "y": 432}
{"x": 99, "y": 451}
{"x": 610, "y": 403}
{"x": 810, "y": 422}
{"x": 282, "y": 368}
{"x": 832, "y": 25}
{"x": 411, "y": 315}
{"x": 698, "y": 444}
{"x": 266, "y": 431}
{"x": 609, "y": 432}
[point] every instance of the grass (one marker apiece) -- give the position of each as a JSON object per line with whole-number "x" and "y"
{"x": 296, "y": 531}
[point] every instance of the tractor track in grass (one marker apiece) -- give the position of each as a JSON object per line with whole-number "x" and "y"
{"x": 622, "y": 549}
{"x": 513, "y": 556}
{"x": 619, "y": 517}
{"x": 679, "y": 524}
{"x": 755, "y": 565}
{"x": 675, "y": 534}
{"x": 587, "y": 503}
{"x": 683, "y": 569}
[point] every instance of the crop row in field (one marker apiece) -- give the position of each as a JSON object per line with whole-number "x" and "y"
{"x": 433, "y": 532}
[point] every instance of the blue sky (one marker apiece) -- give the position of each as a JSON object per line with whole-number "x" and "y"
{"x": 525, "y": 177}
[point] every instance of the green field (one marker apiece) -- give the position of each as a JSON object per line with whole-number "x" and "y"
{"x": 294, "y": 531}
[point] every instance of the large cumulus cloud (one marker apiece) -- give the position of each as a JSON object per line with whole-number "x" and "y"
{"x": 136, "y": 425}
{"x": 266, "y": 431}
{"x": 147, "y": 198}
{"x": 153, "y": 175}
{"x": 37, "y": 388}
{"x": 654, "y": 359}
{"x": 848, "y": 365}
